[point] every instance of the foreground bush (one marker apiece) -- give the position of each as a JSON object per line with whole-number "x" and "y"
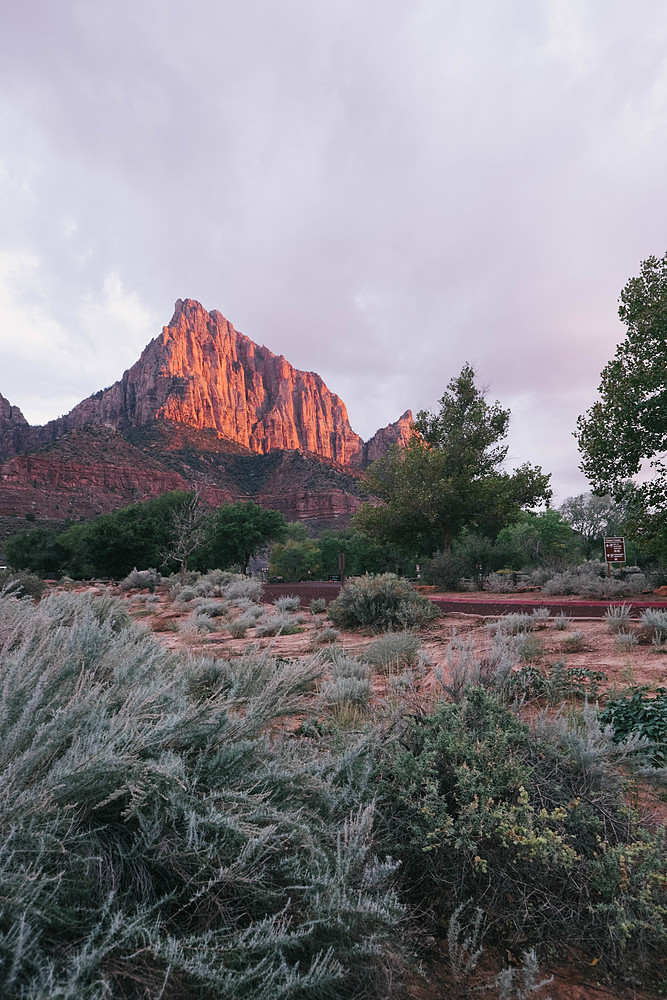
{"x": 380, "y": 602}
{"x": 156, "y": 840}
{"x": 529, "y": 825}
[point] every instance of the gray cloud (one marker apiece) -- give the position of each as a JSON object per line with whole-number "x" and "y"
{"x": 378, "y": 190}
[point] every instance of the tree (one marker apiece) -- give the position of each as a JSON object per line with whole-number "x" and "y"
{"x": 625, "y": 431}
{"x": 189, "y": 525}
{"x": 592, "y": 517}
{"x": 449, "y": 475}
{"x": 295, "y": 559}
{"x": 363, "y": 554}
{"x": 536, "y": 539}
{"x": 237, "y": 530}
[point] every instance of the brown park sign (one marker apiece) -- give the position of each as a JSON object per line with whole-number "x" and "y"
{"x": 614, "y": 550}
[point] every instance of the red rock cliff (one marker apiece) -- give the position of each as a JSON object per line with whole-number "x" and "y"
{"x": 200, "y": 371}
{"x": 397, "y": 433}
{"x": 14, "y": 429}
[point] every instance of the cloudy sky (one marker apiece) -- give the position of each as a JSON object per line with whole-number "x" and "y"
{"x": 380, "y": 190}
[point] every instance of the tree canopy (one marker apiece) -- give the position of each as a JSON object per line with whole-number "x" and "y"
{"x": 237, "y": 531}
{"x": 449, "y": 476}
{"x": 625, "y": 431}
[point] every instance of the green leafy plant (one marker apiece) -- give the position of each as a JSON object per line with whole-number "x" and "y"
{"x": 644, "y": 713}
{"x": 528, "y": 824}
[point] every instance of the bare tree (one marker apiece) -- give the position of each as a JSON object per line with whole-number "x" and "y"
{"x": 189, "y": 524}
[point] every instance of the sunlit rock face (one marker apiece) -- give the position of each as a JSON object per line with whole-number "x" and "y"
{"x": 397, "y": 433}
{"x": 200, "y": 371}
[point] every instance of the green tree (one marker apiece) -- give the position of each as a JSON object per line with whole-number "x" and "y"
{"x": 449, "y": 476}
{"x": 237, "y": 531}
{"x": 592, "y": 517}
{"x": 363, "y": 554}
{"x": 625, "y": 431}
{"x": 38, "y": 549}
{"x": 137, "y": 535}
{"x": 295, "y": 560}
{"x": 538, "y": 539}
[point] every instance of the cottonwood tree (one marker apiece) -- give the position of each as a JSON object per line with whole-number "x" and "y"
{"x": 236, "y": 531}
{"x": 449, "y": 476}
{"x": 592, "y": 517}
{"x": 625, "y": 431}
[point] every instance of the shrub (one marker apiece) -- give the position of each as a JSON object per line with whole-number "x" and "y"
{"x": 643, "y": 714}
{"x": 396, "y": 649}
{"x": 194, "y": 626}
{"x": 274, "y": 624}
{"x": 23, "y": 584}
{"x": 445, "y": 570}
{"x": 350, "y": 684}
{"x": 287, "y": 603}
{"x": 326, "y": 635}
{"x": 155, "y": 842}
{"x": 625, "y": 641}
{"x": 244, "y": 587}
{"x": 346, "y": 691}
{"x": 617, "y": 617}
{"x": 238, "y": 628}
{"x": 541, "y": 615}
{"x": 561, "y": 621}
{"x": 140, "y": 578}
{"x": 575, "y": 642}
{"x": 511, "y": 624}
{"x": 380, "y": 602}
{"x": 500, "y": 583}
{"x": 317, "y": 605}
{"x": 211, "y": 607}
{"x": 529, "y": 647}
{"x": 653, "y": 626}
{"x": 529, "y": 824}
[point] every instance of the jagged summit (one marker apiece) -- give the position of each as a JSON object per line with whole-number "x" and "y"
{"x": 202, "y": 372}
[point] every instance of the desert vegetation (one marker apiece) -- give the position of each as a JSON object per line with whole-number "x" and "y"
{"x": 195, "y": 811}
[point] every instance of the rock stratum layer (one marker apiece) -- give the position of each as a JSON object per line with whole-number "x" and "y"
{"x": 202, "y": 372}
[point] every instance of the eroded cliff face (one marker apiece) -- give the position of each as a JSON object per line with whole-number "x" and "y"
{"x": 397, "y": 433}
{"x": 200, "y": 371}
{"x": 15, "y": 432}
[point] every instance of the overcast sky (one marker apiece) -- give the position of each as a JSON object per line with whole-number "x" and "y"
{"x": 380, "y": 190}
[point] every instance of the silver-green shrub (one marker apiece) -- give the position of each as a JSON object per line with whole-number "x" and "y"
{"x": 393, "y": 650}
{"x": 625, "y": 641}
{"x": 141, "y": 578}
{"x": 317, "y": 605}
{"x": 512, "y": 624}
{"x": 274, "y": 624}
{"x": 617, "y": 617}
{"x": 158, "y": 839}
{"x": 383, "y": 602}
{"x": 653, "y": 625}
{"x": 288, "y": 602}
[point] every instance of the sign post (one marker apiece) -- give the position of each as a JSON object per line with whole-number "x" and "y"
{"x": 614, "y": 552}
{"x": 341, "y": 568}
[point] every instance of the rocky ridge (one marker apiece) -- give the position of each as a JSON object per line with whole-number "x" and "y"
{"x": 202, "y": 372}
{"x": 203, "y": 405}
